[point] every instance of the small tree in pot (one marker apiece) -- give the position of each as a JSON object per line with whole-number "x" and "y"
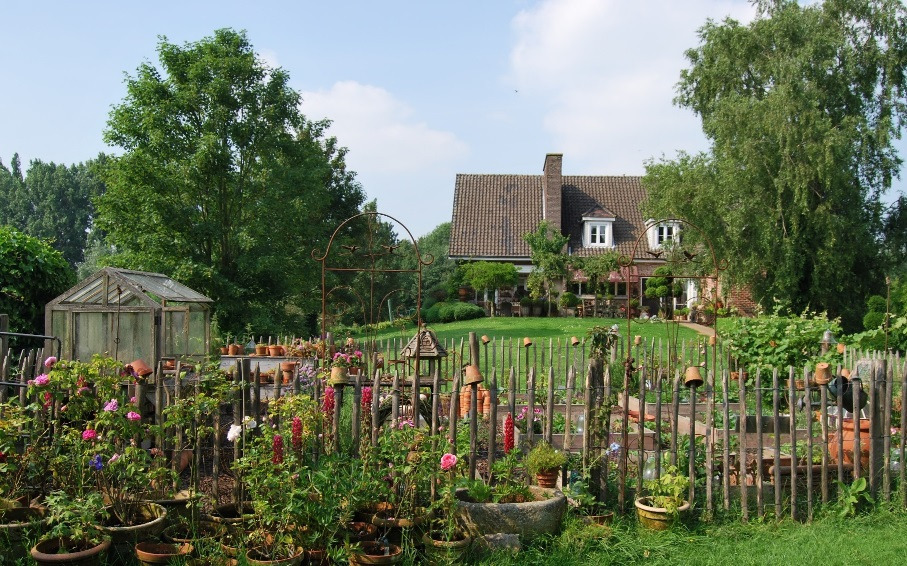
{"x": 661, "y": 508}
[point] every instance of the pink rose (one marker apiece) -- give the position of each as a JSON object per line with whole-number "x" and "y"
{"x": 113, "y": 458}
{"x": 111, "y": 406}
{"x": 42, "y": 379}
{"x": 133, "y": 416}
{"x": 448, "y": 461}
{"x": 49, "y": 362}
{"x": 89, "y": 434}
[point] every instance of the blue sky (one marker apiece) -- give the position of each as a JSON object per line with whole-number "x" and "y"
{"x": 417, "y": 90}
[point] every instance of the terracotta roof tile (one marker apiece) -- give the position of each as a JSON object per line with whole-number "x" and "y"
{"x": 492, "y": 212}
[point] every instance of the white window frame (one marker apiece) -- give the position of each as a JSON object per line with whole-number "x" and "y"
{"x": 656, "y": 233}
{"x": 605, "y": 228}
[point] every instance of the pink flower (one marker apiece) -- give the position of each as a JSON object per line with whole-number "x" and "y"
{"x": 48, "y": 400}
{"x": 49, "y": 362}
{"x": 366, "y": 397}
{"x": 83, "y": 390}
{"x": 133, "y": 416}
{"x": 89, "y": 434}
{"x": 113, "y": 458}
{"x": 42, "y": 379}
{"x": 448, "y": 461}
{"x": 133, "y": 400}
{"x": 111, "y": 406}
{"x": 508, "y": 433}
{"x": 296, "y": 437}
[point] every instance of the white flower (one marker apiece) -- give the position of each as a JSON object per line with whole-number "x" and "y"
{"x": 249, "y": 422}
{"x": 234, "y": 432}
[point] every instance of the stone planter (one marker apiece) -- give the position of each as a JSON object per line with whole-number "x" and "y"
{"x": 150, "y": 522}
{"x": 16, "y": 525}
{"x": 446, "y": 552}
{"x": 47, "y": 553}
{"x": 529, "y": 519}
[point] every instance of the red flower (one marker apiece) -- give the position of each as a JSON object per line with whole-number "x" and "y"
{"x": 366, "y": 397}
{"x": 508, "y": 433}
{"x": 296, "y": 438}
{"x": 327, "y": 405}
{"x": 277, "y": 448}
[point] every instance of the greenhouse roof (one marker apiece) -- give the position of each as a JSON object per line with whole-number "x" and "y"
{"x": 125, "y": 286}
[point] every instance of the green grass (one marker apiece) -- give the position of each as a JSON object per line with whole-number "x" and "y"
{"x": 876, "y": 538}
{"x": 537, "y": 328}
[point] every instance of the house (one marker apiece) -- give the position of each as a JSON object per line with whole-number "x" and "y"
{"x": 491, "y": 213}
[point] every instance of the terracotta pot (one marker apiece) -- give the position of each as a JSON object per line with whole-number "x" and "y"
{"x": 547, "y": 478}
{"x": 255, "y": 558}
{"x": 149, "y": 521}
{"x": 822, "y": 374}
{"x": 235, "y": 350}
{"x": 225, "y": 350}
{"x": 359, "y": 531}
{"x": 318, "y": 557}
{"x": 847, "y": 433}
{"x": 150, "y": 553}
{"x": 376, "y": 553}
{"x": 287, "y": 366}
{"x": 656, "y": 518}
{"x": 261, "y": 349}
{"x": 446, "y": 552}
{"x": 339, "y": 376}
{"x": 47, "y": 553}
{"x": 183, "y": 534}
{"x": 229, "y": 514}
{"x": 735, "y": 376}
{"x": 275, "y": 351}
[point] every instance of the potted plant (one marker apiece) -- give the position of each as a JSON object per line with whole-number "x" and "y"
{"x": 661, "y": 508}
{"x": 447, "y": 541}
{"x": 545, "y": 463}
{"x": 569, "y": 301}
{"x": 75, "y": 534}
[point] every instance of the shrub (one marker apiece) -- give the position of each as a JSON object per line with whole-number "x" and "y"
{"x": 543, "y": 457}
{"x": 778, "y": 341}
{"x": 873, "y": 320}
{"x": 876, "y": 303}
{"x": 569, "y": 300}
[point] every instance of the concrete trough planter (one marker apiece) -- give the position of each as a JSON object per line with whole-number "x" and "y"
{"x": 529, "y": 519}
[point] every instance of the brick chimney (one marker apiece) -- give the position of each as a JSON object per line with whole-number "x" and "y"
{"x": 551, "y": 189}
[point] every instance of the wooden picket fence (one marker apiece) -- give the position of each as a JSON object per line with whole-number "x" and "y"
{"x": 738, "y": 440}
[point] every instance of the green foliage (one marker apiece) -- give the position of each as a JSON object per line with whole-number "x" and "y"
{"x": 438, "y": 276}
{"x": 668, "y": 490}
{"x": 489, "y": 275}
{"x": 77, "y": 518}
{"x": 777, "y": 340}
{"x": 568, "y": 300}
{"x": 852, "y": 496}
{"x": 549, "y": 262}
{"x": 231, "y": 186}
{"x": 873, "y": 320}
{"x": 31, "y": 274}
{"x": 801, "y": 107}
{"x": 53, "y": 202}
{"x": 453, "y": 311}
{"x": 543, "y": 457}
{"x": 876, "y": 303}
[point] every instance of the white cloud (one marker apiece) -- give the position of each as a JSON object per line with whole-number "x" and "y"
{"x": 606, "y": 71}
{"x": 381, "y": 131}
{"x": 399, "y": 159}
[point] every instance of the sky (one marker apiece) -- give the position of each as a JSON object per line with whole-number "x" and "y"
{"x": 418, "y": 91}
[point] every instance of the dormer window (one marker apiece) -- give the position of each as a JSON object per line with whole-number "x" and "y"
{"x": 598, "y": 233}
{"x": 662, "y": 233}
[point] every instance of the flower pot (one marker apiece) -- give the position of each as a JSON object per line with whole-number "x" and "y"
{"x": 182, "y": 534}
{"x": 318, "y": 557}
{"x": 339, "y": 376}
{"x": 657, "y": 518}
{"x": 275, "y": 351}
{"x": 376, "y": 553}
{"x": 150, "y": 553}
{"x": 822, "y": 374}
{"x": 446, "y": 552}
{"x": 735, "y": 375}
{"x": 261, "y": 349}
{"x": 148, "y": 521}
{"x": 47, "y": 553}
{"x": 229, "y": 514}
{"x": 16, "y": 525}
{"x": 847, "y": 433}
{"x": 359, "y": 531}
{"x": 547, "y": 478}
{"x": 224, "y": 350}
{"x": 258, "y": 558}
{"x": 528, "y": 519}
{"x": 235, "y": 350}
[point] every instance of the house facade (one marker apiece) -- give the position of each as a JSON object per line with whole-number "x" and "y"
{"x": 599, "y": 214}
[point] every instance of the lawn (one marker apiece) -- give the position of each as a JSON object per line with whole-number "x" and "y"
{"x": 876, "y": 538}
{"x": 538, "y": 328}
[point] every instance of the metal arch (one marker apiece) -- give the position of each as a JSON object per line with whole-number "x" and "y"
{"x": 370, "y": 217}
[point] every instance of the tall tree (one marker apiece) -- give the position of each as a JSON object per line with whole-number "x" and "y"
{"x": 53, "y": 202}
{"x": 222, "y": 182}
{"x": 489, "y": 276}
{"x": 801, "y": 108}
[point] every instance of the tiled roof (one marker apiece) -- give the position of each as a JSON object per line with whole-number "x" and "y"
{"x": 492, "y": 212}
{"x": 619, "y": 195}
